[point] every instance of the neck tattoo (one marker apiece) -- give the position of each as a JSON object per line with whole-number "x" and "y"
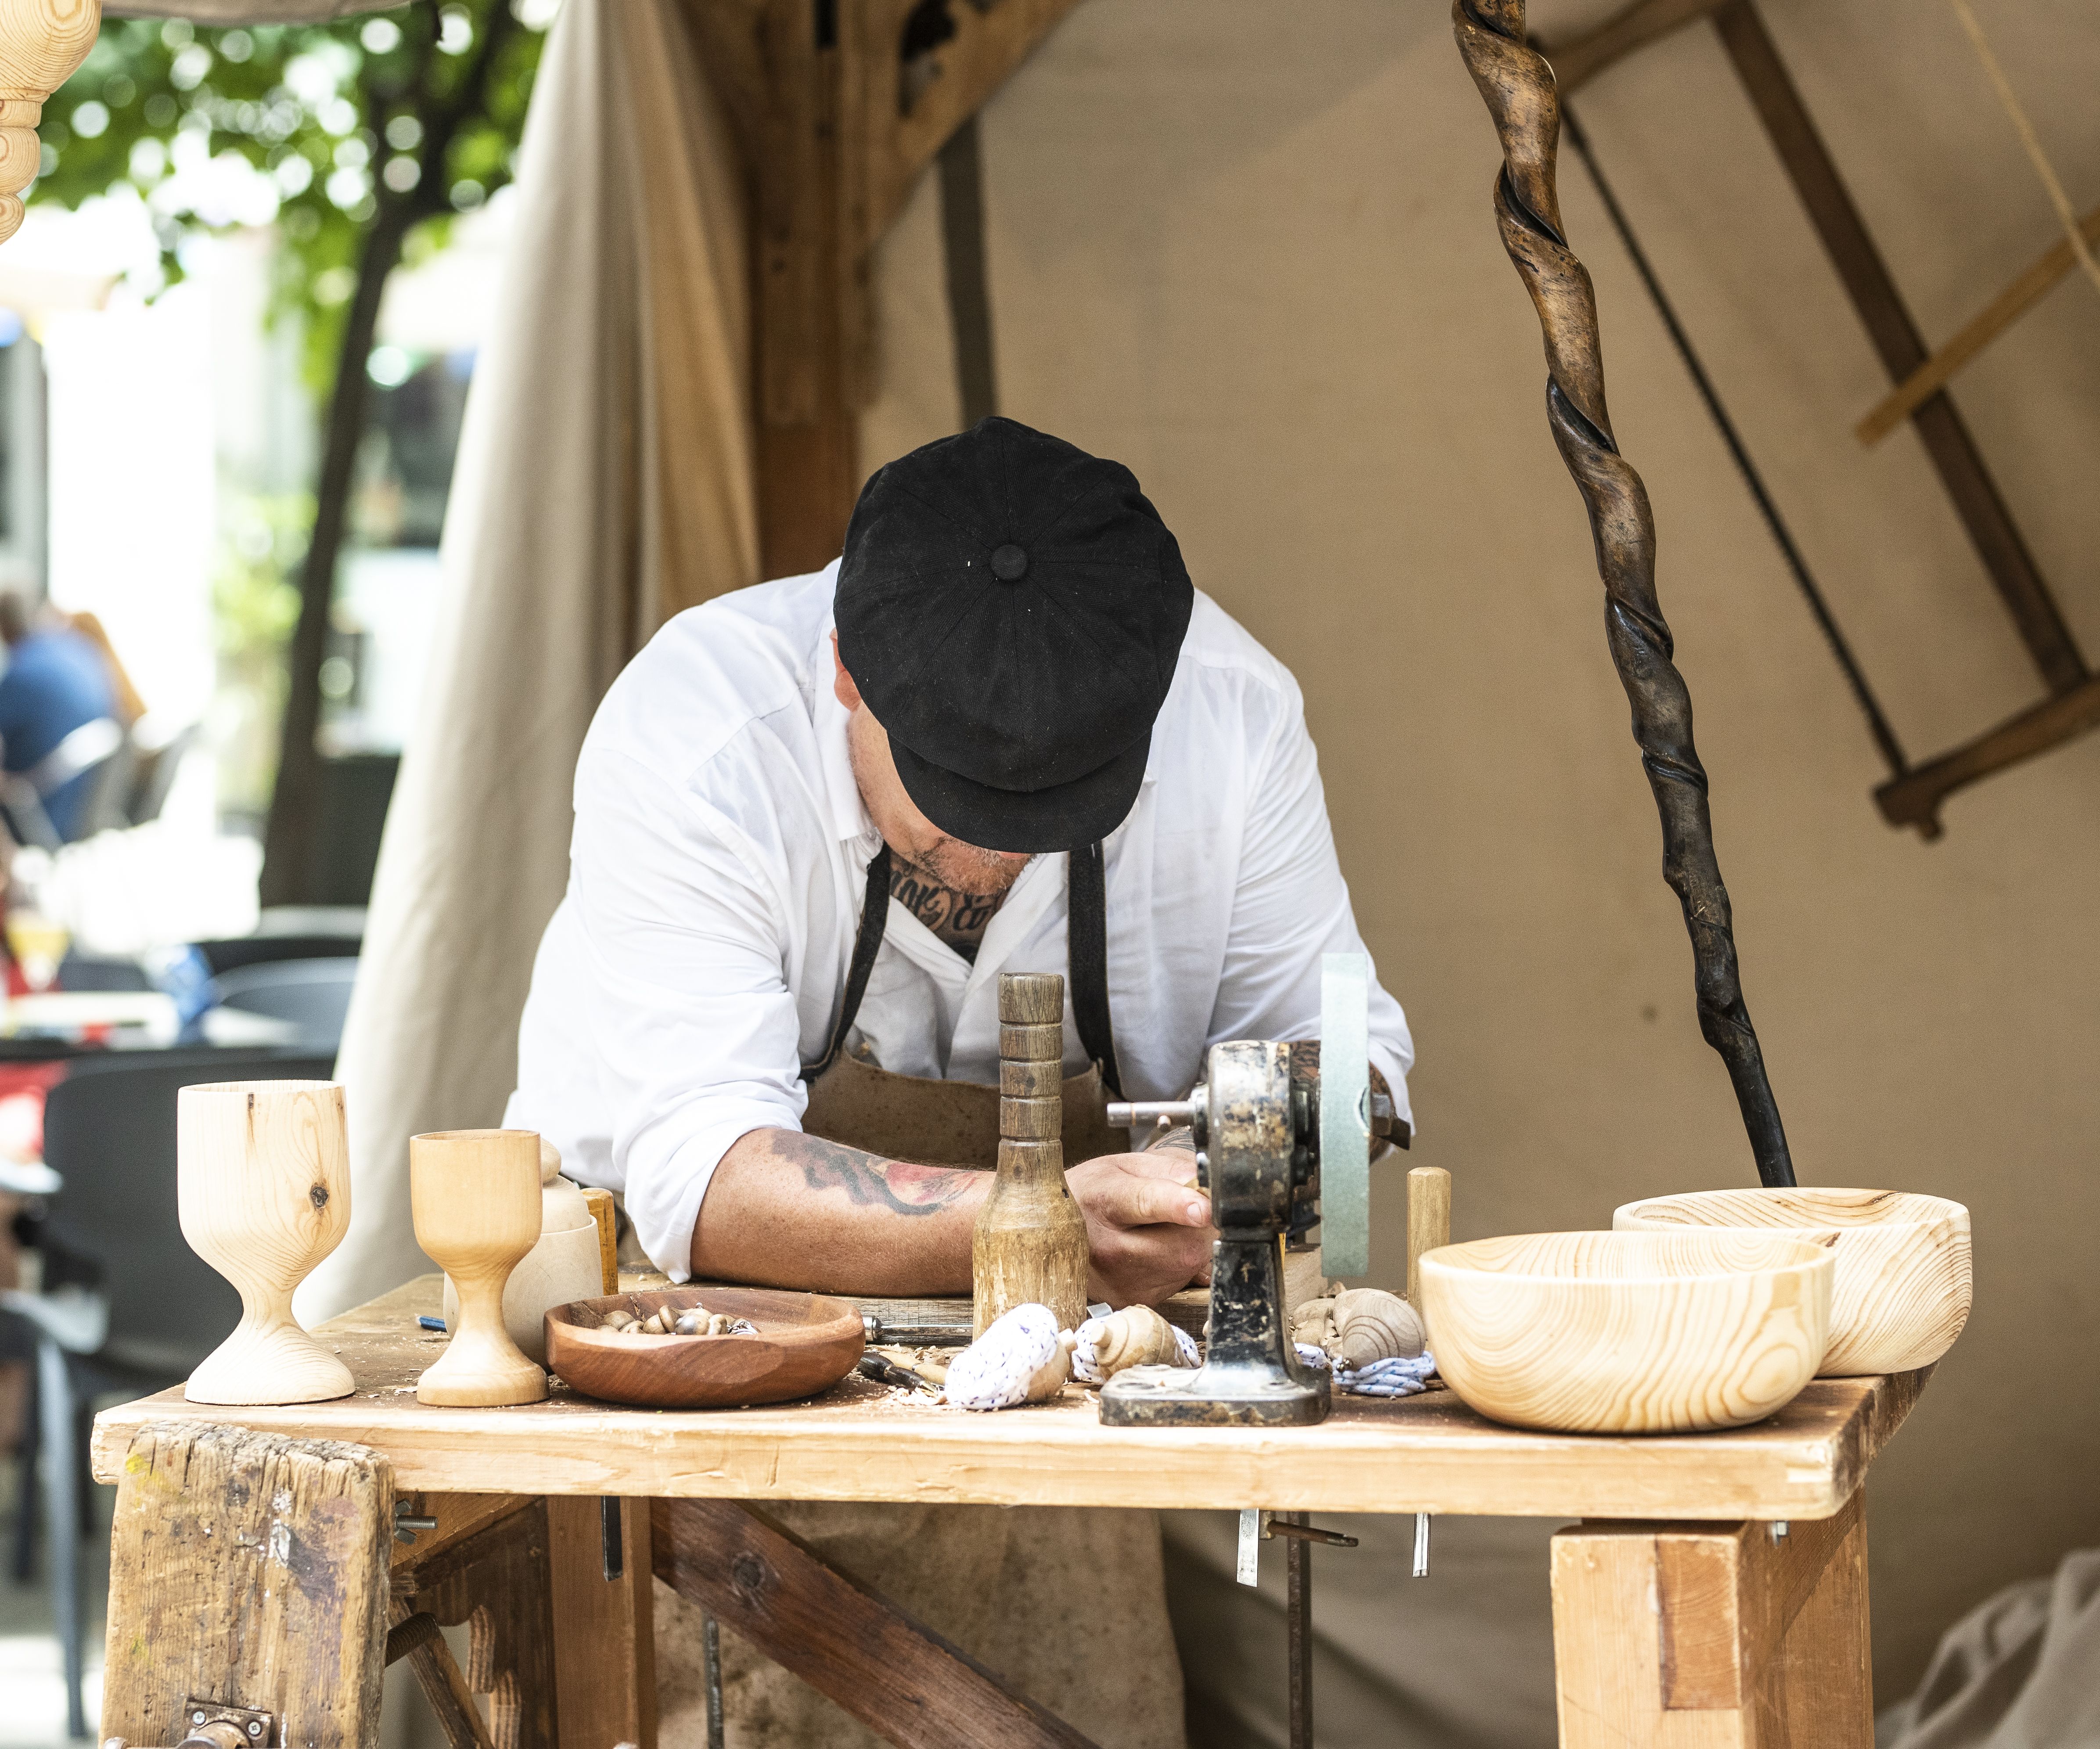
{"x": 957, "y": 918}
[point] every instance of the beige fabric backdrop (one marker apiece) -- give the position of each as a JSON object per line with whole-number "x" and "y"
{"x": 603, "y": 483}
{"x": 1247, "y": 249}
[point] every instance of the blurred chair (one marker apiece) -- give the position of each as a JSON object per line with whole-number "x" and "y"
{"x": 313, "y": 995}
{"x": 60, "y": 797}
{"x": 153, "y": 1310}
{"x": 152, "y": 774}
{"x": 257, "y": 950}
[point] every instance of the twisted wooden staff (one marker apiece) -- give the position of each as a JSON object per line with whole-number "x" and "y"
{"x": 1518, "y": 86}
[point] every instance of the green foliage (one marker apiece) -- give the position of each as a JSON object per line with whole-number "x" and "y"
{"x": 255, "y": 605}
{"x": 402, "y": 118}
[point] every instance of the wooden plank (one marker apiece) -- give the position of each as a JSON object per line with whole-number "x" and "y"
{"x": 1580, "y": 58}
{"x": 989, "y": 45}
{"x": 1881, "y": 308}
{"x": 605, "y": 1655}
{"x": 1976, "y": 334}
{"x": 250, "y": 1569}
{"x": 860, "y": 1440}
{"x": 900, "y": 1678}
{"x": 459, "y": 1517}
{"x": 1915, "y": 797}
{"x": 445, "y": 1686}
{"x": 497, "y": 1582}
{"x": 1820, "y": 1694}
{"x": 1681, "y": 1635}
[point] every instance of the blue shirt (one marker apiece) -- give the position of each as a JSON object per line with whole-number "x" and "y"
{"x": 56, "y": 681}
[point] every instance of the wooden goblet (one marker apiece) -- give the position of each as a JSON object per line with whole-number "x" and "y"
{"x": 476, "y": 1195}
{"x": 262, "y": 1187}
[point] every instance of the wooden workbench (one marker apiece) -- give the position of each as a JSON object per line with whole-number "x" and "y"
{"x": 1680, "y": 1614}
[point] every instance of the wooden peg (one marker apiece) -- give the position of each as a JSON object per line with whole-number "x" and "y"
{"x": 1428, "y": 1222}
{"x": 476, "y": 1195}
{"x": 262, "y": 1188}
{"x": 1029, "y": 1244}
{"x": 42, "y": 43}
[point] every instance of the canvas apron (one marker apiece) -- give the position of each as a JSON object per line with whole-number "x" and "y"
{"x": 1066, "y": 1604}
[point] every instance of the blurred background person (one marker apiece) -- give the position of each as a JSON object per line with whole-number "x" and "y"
{"x": 59, "y": 703}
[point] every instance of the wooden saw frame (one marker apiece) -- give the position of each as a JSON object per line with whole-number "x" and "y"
{"x": 1914, "y": 794}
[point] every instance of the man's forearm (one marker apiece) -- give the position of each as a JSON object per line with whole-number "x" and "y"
{"x": 795, "y": 1210}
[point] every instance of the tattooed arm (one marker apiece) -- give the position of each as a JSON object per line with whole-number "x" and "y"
{"x": 795, "y": 1209}
{"x": 801, "y": 1212}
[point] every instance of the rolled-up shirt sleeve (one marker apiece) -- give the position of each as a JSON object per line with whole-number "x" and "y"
{"x": 1290, "y": 907}
{"x": 686, "y": 943}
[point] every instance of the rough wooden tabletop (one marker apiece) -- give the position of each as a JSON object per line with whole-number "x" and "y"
{"x": 861, "y": 1441}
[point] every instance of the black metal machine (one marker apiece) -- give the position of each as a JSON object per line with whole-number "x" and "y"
{"x": 1283, "y": 1140}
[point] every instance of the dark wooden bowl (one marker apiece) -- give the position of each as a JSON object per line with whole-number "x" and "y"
{"x": 805, "y": 1343}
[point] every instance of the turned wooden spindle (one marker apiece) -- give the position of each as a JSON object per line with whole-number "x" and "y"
{"x": 41, "y": 42}
{"x": 263, "y": 1191}
{"x": 1030, "y": 1240}
{"x": 476, "y": 1195}
{"x": 1428, "y": 1222}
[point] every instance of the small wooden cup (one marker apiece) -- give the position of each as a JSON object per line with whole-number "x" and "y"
{"x": 262, "y": 1188}
{"x": 475, "y": 1194}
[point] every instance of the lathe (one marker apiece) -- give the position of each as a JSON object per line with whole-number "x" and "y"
{"x": 1283, "y": 1137}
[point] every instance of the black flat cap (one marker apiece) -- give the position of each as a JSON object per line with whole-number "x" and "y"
{"x": 1012, "y": 609}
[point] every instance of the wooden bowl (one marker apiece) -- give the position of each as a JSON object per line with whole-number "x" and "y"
{"x": 1628, "y": 1332}
{"x": 1901, "y": 1293}
{"x": 806, "y": 1342}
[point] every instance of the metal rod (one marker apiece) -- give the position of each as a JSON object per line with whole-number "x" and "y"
{"x": 1877, "y": 724}
{"x": 1298, "y": 1610}
{"x": 711, "y": 1668}
{"x": 611, "y": 1546}
{"x": 1296, "y": 1529}
{"x": 969, "y": 281}
{"x": 1421, "y": 1570}
{"x": 1518, "y": 87}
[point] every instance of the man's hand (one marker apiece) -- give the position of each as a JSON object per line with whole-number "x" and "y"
{"x": 1147, "y": 1226}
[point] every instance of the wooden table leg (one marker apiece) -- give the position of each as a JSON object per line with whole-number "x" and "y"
{"x": 1698, "y": 1636}
{"x": 604, "y": 1648}
{"x": 247, "y": 1571}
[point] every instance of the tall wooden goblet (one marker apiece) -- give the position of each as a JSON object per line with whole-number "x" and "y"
{"x": 476, "y": 1195}
{"x": 262, "y": 1187}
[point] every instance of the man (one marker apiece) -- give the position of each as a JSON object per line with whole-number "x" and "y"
{"x": 815, "y": 820}
{"x": 58, "y": 701}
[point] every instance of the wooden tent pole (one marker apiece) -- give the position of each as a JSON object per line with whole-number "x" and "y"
{"x": 1519, "y": 88}
{"x": 835, "y": 138}
{"x": 41, "y": 42}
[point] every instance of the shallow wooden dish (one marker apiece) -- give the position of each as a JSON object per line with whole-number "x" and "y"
{"x": 1628, "y": 1332}
{"x": 806, "y": 1342}
{"x": 1901, "y": 1293}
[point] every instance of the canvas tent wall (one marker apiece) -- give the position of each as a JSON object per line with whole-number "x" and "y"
{"x": 1247, "y": 250}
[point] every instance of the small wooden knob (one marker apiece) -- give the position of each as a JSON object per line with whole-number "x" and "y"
{"x": 1031, "y": 999}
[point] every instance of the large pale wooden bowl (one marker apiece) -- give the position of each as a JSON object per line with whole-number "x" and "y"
{"x": 806, "y": 1342}
{"x": 1902, "y": 1289}
{"x": 1628, "y": 1332}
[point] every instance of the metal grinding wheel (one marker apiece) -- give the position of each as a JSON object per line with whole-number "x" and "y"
{"x": 1345, "y": 1114}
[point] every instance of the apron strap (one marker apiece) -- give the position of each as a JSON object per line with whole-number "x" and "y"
{"x": 1086, "y": 958}
{"x": 1085, "y": 949}
{"x": 867, "y": 943}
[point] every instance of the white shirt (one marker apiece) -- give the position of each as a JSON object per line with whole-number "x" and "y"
{"x": 720, "y": 858}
